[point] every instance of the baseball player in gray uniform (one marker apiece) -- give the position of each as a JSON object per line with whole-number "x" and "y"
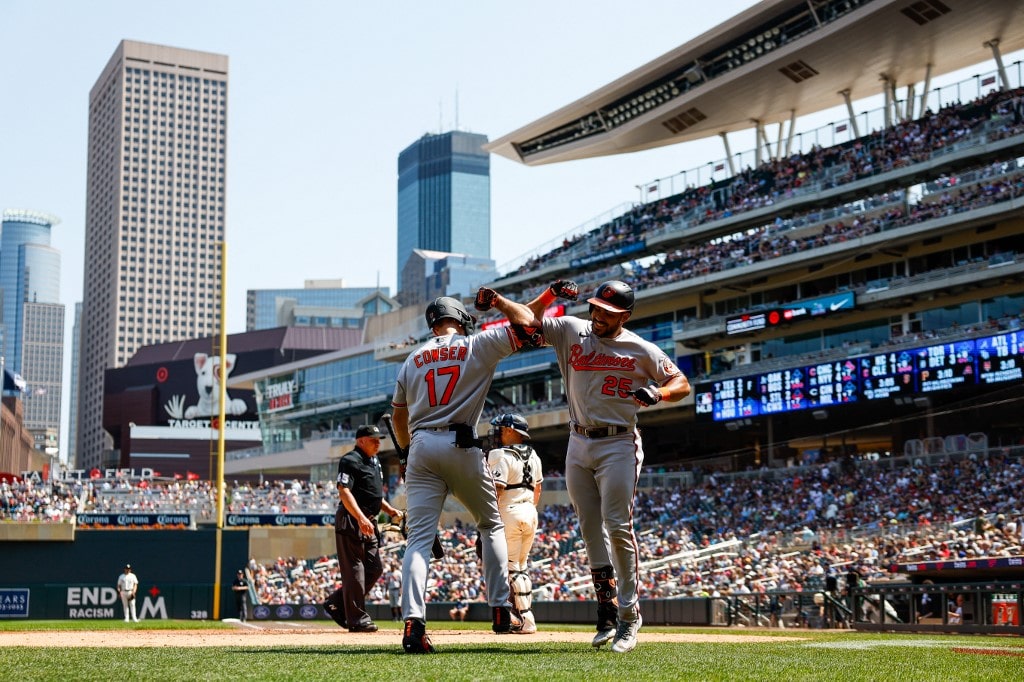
{"x": 438, "y": 398}
{"x": 609, "y": 373}
{"x": 517, "y": 477}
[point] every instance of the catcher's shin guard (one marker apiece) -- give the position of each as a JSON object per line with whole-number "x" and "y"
{"x": 522, "y": 591}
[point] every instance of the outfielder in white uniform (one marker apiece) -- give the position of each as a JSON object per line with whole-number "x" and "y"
{"x": 127, "y": 587}
{"x": 609, "y": 373}
{"x": 438, "y": 398}
{"x": 517, "y": 473}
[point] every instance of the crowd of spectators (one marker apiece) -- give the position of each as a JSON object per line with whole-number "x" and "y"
{"x": 991, "y": 184}
{"x": 30, "y": 500}
{"x": 728, "y": 534}
{"x": 736, "y": 535}
{"x": 997, "y": 115}
{"x": 766, "y": 243}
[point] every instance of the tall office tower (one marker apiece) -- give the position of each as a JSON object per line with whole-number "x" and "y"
{"x": 155, "y": 214}
{"x": 33, "y": 318}
{"x": 444, "y": 198}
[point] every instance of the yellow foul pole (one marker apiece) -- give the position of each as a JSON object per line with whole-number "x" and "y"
{"x": 221, "y": 425}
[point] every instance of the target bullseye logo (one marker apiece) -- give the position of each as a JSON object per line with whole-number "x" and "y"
{"x": 162, "y": 374}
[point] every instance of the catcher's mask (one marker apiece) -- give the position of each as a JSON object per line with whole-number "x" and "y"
{"x": 511, "y": 420}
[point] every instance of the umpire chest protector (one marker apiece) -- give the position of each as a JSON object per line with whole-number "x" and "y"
{"x": 522, "y": 454}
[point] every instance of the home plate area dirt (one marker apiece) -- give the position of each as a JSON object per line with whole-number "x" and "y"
{"x": 273, "y": 634}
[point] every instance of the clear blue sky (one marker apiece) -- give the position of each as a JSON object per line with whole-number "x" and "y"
{"x": 322, "y": 97}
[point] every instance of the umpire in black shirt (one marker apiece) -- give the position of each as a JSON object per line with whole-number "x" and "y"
{"x": 361, "y": 489}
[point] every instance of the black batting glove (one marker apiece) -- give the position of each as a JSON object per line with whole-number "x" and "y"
{"x": 485, "y": 299}
{"x": 565, "y": 288}
{"x": 647, "y": 395}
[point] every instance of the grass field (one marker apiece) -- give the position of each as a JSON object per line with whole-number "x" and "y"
{"x": 817, "y": 655}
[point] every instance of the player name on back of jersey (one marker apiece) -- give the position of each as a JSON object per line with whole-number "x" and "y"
{"x": 456, "y": 352}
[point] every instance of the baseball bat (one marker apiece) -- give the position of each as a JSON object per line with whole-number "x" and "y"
{"x": 391, "y": 432}
{"x": 437, "y": 549}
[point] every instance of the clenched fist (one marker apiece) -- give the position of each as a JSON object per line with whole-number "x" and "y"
{"x": 485, "y": 299}
{"x": 565, "y": 288}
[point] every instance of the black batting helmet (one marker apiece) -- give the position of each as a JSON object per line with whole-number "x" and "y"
{"x": 615, "y": 296}
{"x": 514, "y": 421}
{"x": 452, "y": 308}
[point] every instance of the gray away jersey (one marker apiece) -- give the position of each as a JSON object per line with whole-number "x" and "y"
{"x": 599, "y": 373}
{"x": 445, "y": 381}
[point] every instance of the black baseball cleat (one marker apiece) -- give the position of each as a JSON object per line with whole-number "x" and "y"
{"x": 364, "y": 627}
{"x": 607, "y": 621}
{"x": 504, "y": 621}
{"x": 414, "y": 639}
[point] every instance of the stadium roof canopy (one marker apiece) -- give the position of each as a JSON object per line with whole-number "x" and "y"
{"x": 774, "y": 61}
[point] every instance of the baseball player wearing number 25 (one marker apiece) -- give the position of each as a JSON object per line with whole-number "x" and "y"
{"x": 609, "y": 373}
{"x": 439, "y": 395}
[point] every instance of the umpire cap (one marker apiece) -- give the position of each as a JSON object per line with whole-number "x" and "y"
{"x": 614, "y": 296}
{"x": 451, "y": 308}
{"x": 369, "y": 431}
{"x": 514, "y": 421}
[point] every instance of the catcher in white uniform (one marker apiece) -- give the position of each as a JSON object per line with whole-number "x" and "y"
{"x": 609, "y": 373}
{"x": 517, "y": 473}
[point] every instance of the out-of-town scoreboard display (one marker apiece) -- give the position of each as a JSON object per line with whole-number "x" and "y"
{"x": 899, "y": 373}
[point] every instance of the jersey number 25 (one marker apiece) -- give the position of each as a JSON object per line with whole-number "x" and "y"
{"x": 621, "y": 386}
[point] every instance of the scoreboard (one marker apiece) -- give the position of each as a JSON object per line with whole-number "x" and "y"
{"x": 903, "y": 373}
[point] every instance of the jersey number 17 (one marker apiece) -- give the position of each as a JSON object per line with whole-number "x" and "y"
{"x": 449, "y": 374}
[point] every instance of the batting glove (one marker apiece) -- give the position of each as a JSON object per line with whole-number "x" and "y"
{"x": 485, "y": 299}
{"x": 647, "y": 395}
{"x": 565, "y": 288}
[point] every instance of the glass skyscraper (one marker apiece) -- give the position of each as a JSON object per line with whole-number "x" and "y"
{"x": 444, "y": 197}
{"x": 33, "y": 316}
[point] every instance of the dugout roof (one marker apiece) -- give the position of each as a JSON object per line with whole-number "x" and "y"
{"x": 775, "y": 59}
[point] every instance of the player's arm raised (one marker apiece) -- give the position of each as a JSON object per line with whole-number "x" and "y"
{"x": 529, "y": 314}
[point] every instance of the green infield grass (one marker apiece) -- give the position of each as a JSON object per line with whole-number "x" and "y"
{"x": 837, "y": 656}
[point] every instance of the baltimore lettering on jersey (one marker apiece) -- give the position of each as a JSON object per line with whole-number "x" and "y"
{"x": 594, "y": 361}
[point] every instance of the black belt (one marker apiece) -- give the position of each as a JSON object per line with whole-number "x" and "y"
{"x": 446, "y": 429}
{"x": 599, "y": 431}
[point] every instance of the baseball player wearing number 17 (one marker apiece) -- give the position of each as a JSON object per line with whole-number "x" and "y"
{"x": 439, "y": 395}
{"x": 609, "y": 373}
